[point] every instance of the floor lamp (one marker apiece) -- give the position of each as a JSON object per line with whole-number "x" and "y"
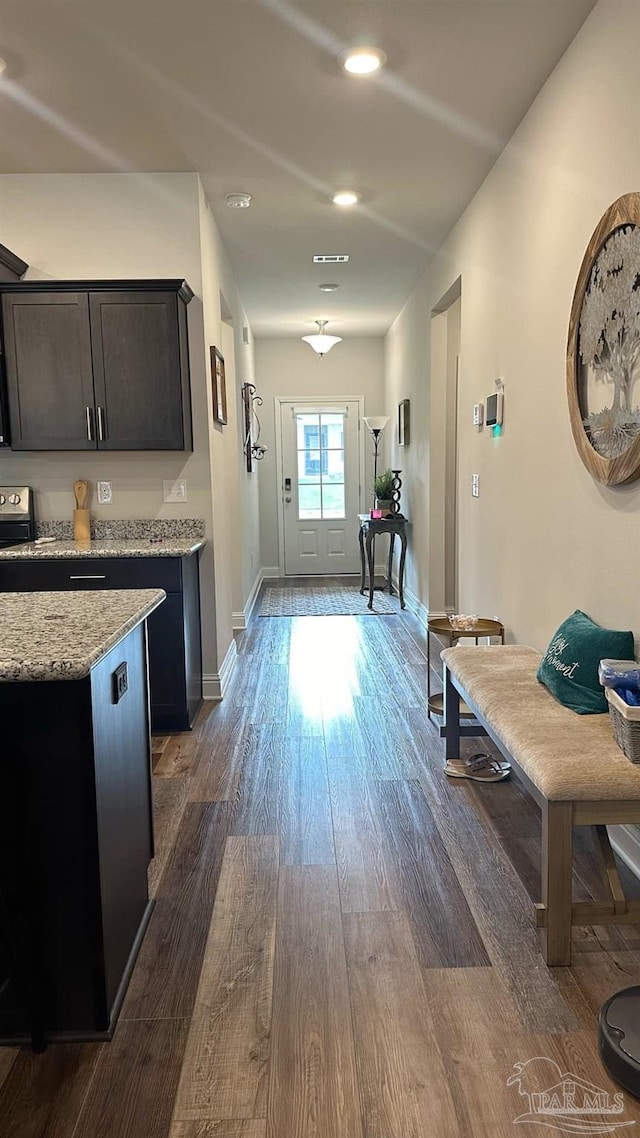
{"x": 376, "y": 424}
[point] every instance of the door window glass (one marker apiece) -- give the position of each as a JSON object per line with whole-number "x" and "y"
{"x": 320, "y": 444}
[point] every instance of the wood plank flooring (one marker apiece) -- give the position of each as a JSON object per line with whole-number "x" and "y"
{"x": 343, "y": 942}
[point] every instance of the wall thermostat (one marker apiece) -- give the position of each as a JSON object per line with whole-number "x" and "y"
{"x": 495, "y": 405}
{"x": 478, "y": 414}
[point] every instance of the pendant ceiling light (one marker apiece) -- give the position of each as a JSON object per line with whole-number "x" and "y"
{"x": 320, "y": 342}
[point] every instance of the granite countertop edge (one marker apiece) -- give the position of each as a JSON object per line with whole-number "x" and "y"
{"x": 102, "y": 548}
{"x": 60, "y": 667}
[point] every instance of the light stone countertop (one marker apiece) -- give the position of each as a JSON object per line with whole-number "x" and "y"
{"x": 60, "y": 636}
{"x": 114, "y": 547}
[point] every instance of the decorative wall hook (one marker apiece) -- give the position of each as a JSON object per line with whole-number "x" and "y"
{"x": 253, "y": 448}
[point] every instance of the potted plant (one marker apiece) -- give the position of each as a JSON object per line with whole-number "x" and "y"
{"x": 383, "y": 487}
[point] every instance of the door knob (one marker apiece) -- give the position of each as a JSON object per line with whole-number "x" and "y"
{"x": 287, "y": 499}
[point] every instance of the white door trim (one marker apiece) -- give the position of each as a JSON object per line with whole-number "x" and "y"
{"x": 312, "y": 401}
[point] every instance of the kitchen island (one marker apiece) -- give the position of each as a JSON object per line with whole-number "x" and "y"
{"x": 168, "y": 562}
{"x": 76, "y": 829}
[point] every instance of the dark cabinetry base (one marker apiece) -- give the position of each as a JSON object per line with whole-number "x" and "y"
{"x": 75, "y": 843}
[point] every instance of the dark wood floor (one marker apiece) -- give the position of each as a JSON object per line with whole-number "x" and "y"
{"x": 343, "y": 941}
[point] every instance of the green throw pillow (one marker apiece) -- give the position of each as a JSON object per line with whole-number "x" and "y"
{"x": 569, "y": 667}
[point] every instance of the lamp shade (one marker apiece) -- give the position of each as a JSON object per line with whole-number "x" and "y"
{"x": 376, "y": 422}
{"x": 320, "y": 342}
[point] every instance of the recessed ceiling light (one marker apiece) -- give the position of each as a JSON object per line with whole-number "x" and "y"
{"x": 362, "y": 60}
{"x": 3, "y": 65}
{"x": 238, "y": 201}
{"x": 345, "y": 197}
{"x": 328, "y": 287}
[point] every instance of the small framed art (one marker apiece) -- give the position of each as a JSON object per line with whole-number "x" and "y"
{"x": 219, "y": 387}
{"x": 403, "y": 423}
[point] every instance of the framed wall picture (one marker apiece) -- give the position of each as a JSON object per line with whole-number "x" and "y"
{"x": 603, "y": 346}
{"x": 219, "y": 387}
{"x": 403, "y": 423}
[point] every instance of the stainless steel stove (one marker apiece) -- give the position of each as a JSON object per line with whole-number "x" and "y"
{"x": 17, "y": 516}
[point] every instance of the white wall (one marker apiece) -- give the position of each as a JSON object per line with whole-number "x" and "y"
{"x": 234, "y": 493}
{"x": 286, "y": 368}
{"x": 543, "y": 538}
{"x": 126, "y": 226}
{"x": 86, "y": 226}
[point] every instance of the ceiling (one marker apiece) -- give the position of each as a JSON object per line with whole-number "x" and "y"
{"x": 248, "y": 93}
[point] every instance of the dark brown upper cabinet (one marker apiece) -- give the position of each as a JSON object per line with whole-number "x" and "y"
{"x": 97, "y": 365}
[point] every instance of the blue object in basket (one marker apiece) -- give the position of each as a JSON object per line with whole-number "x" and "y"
{"x": 629, "y": 696}
{"x": 620, "y": 674}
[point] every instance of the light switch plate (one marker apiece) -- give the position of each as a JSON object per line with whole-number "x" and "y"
{"x": 175, "y": 490}
{"x": 105, "y": 493}
{"x": 475, "y": 485}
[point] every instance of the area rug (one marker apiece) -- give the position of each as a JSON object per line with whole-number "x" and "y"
{"x": 322, "y": 601}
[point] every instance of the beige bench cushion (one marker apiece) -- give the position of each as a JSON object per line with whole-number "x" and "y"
{"x": 567, "y": 756}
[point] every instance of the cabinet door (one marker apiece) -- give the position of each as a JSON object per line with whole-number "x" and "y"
{"x": 122, "y": 758}
{"x": 137, "y": 370}
{"x": 167, "y": 666}
{"x": 49, "y": 373}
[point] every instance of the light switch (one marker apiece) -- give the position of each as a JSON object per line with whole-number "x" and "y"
{"x": 105, "y": 493}
{"x": 175, "y": 490}
{"x": 475, "y": 485}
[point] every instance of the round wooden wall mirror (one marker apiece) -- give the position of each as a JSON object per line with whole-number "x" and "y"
{"x": 603, "y": 349}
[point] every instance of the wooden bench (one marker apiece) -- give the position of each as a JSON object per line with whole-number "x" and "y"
{"x": 569, "y": 763}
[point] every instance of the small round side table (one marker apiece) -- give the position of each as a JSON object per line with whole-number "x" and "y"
{"x": 439, "y": 626}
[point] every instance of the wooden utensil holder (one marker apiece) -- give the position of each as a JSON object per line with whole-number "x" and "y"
{"x": 82, "y": 525}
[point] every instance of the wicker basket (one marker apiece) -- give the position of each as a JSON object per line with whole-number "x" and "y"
{"x": 625, "y": 721}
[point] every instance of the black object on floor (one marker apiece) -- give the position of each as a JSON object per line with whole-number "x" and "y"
{"x": 619, "y": 1038}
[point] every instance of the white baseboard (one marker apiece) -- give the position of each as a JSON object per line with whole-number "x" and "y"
{"x": 215, "y": 684}
{"x": 240, "y": 620}
{"x": 626, "y": 842}
{"x": 415, "y": 605}
{"x": 211, "y": 686}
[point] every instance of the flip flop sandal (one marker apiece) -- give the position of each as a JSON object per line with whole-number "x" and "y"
{"x": 479, "y": 768}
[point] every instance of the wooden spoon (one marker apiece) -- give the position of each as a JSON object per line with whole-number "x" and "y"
{"x": 81, "y": 491}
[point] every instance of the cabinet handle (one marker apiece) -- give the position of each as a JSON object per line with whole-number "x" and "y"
{"x": 87, "y": 576}
{"x": 101, "y": 434}
{"x": 89, "y": 424}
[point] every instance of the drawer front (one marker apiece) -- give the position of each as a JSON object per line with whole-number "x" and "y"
{"x": 91, "y": 573}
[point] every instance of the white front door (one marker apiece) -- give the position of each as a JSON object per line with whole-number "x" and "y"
{"x": 320, "y": 486}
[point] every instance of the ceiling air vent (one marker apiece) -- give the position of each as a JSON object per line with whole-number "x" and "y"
{"x": 330, "y": 258}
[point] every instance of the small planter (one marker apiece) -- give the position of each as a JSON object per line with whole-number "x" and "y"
{"x": 383, "y": 490}
{"x": 384, "y": 504}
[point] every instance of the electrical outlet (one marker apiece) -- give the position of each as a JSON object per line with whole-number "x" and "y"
{"x": 120, "y": 681}
{"x": 105, "y": 493}
{"x": 175, "y": 491}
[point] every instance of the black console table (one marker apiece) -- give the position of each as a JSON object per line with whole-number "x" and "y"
{"x": 394, "y": 525}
